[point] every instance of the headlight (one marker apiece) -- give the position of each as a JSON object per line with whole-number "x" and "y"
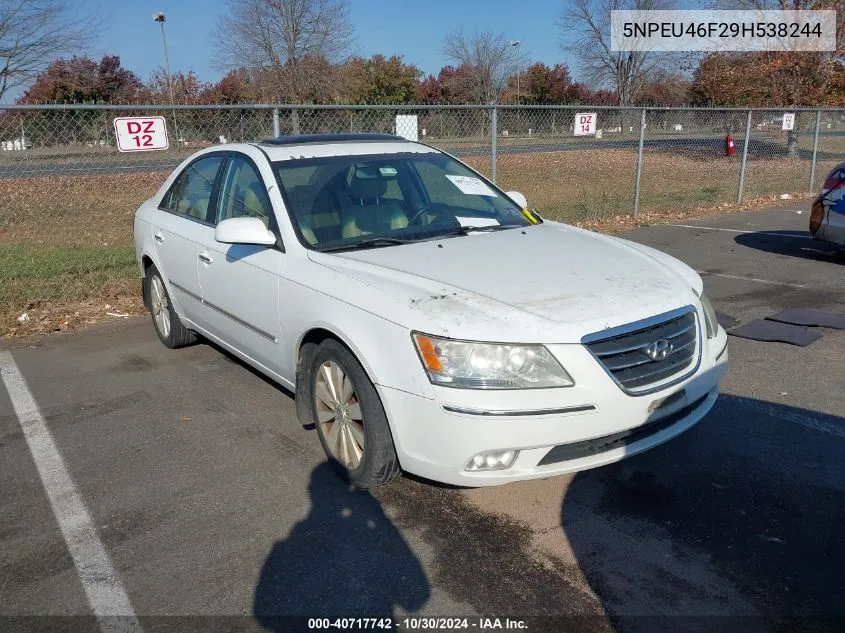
{"x": 470, "y": 365}
{"x": 709, "y": 316}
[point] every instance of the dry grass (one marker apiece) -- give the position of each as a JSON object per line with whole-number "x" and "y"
{"x": 586, "y": 186}
{"x": 66, "y": 241}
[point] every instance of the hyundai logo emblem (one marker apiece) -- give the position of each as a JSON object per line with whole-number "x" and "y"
{"x": 659, "y": 350}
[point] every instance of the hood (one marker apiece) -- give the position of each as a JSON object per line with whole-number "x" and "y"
{"x": 547, "y": 283}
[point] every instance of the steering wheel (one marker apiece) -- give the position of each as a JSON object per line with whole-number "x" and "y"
{"x": 424, "y": 210}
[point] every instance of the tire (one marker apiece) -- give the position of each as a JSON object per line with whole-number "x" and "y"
{"x": 353, "y": 427}
{"x": 166, "y": 322}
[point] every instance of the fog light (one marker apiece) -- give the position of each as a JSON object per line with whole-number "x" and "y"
{"x": 492, "y": 460}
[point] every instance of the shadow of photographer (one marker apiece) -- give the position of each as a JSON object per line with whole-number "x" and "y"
{"x": 345, "y": 559}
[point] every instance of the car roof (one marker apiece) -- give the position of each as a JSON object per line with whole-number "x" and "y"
{"x": 324, "y": 145}
{"x": 309, "y": 139}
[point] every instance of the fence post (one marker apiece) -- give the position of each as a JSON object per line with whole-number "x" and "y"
{"x": 744, "y": 158}
{"x": 639, "y": 166}
{"x": 494, "y": 132}
{"x": 815, "y": 151}
{"x": 276, "y": 131}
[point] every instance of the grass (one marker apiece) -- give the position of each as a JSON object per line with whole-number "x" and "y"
{"x": 66, "y": 241}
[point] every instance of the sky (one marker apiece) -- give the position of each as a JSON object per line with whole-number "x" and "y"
{"x": 411, "y": 28}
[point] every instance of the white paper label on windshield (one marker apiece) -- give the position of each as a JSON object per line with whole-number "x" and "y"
{"x": 472, "y": 186}
{"x": 477, "y": 221}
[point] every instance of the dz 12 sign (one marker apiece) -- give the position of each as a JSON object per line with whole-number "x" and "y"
{"x": 585, "y": 123}
{"x": 140, "y": 133}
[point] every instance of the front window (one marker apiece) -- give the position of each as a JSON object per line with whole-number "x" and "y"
{"x": 242, "y": 193}
{"x": 378, "y": 200}
{"x": 190, "y": 193}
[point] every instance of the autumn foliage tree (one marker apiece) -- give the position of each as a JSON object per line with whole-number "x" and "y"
{"x": 236, "y": 86}
{"x": 663, "y": 88}
{"x": 380, "y": 79}
{"x": 84, "y": 80}
{"x": 543, "y": 85}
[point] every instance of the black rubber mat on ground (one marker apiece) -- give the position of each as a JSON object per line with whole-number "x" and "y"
{"x": 764, "y": 330}
{"x": 813, "y": 318}
{"x": 726, "y": 320}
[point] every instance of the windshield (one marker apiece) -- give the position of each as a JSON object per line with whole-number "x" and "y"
{"x": 385, "y": 199}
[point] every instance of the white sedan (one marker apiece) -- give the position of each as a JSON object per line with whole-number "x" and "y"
{"x": 426, "y": 320}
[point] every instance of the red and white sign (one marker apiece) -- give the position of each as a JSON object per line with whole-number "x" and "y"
{"x": 585, "y": 123}
{"x": 140, "y": 133}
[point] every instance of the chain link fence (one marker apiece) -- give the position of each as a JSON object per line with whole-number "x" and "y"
{"x": 67, "y": 195}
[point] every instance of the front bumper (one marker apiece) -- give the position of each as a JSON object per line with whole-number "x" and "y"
{"x": 556, "y": 430}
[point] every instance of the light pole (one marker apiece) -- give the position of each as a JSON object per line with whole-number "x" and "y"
{"x": 159, "y": 17}
{"x": 516, "y": 43}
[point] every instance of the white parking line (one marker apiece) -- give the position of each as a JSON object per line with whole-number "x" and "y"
{"x": 802, "y": 236}
{"x": 755, "y": 279}
{"x": 105, "y": 593}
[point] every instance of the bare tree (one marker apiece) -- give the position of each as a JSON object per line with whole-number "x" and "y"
{"x": 489, "y": 59}
{"x": 34, "y": 33}
{"x": 585, "y": 32}
{"x": 284, "y": 37}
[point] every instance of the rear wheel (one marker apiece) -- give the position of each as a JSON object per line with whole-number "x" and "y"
{"x": 350, "y": 419}
{"x": 167, "y": 323}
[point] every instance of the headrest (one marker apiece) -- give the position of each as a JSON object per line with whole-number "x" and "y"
{"x": 367, "y": 188}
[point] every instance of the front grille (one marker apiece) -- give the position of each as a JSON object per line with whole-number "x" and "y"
{"x": 624, "y": 355}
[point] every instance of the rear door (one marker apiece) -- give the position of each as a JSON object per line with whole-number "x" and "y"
{"x": 240, "y": 282}
{"x": 181, "y": 223}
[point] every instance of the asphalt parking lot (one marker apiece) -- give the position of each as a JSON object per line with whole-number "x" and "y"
{"x": 208, "y": 498}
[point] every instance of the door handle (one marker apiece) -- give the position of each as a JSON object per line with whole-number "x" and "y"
{"x": 158, "y": 237}
{"x": 205, "y": 258}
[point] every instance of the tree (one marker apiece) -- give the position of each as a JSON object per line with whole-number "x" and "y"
{"x": 291, "y": 40}
{"x": 237, "y": 86}
{"x": 187, "y": 88}
{"x": 585, "y": 32}
{"x": 429, "y": 91}
{"x": 583, "y": 94}
{"x": 663, "y": 88}
{"x": 488, "y": 60}
{"x": 81, "y": 80}
{"x": 380, "y": 79}
{"x": 33, "y": 33}
{"x": 456, "y": 84}
{"x": 541, "y": 84}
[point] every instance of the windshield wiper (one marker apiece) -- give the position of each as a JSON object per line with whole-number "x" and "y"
{"x": 373, "y": 242}
{"x": 466, "y": 230}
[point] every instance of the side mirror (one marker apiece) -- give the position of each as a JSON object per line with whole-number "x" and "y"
{"x": 244, "y": 231}
{"x": 517, "y": 197}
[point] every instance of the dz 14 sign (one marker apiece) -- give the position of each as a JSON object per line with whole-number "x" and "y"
{"x": 585, "y": 123}
{"x": 141, "y": 133}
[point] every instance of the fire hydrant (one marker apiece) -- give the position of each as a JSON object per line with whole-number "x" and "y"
{"x": 730, "y": 150}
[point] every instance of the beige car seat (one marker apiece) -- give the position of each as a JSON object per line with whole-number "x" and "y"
{"x": 369, "y": 212}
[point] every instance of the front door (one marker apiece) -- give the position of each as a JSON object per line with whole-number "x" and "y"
{"x": 240, "y": 282}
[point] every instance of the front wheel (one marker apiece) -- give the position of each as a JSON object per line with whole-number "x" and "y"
{"x": 350, "y": 419}
{"x": 167, "y": 323}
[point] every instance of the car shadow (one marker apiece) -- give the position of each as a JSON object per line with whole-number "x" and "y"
{"x": 792, "y": 244}
{"x": 345, "y": 559}
{"x": 734, "y": 526}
